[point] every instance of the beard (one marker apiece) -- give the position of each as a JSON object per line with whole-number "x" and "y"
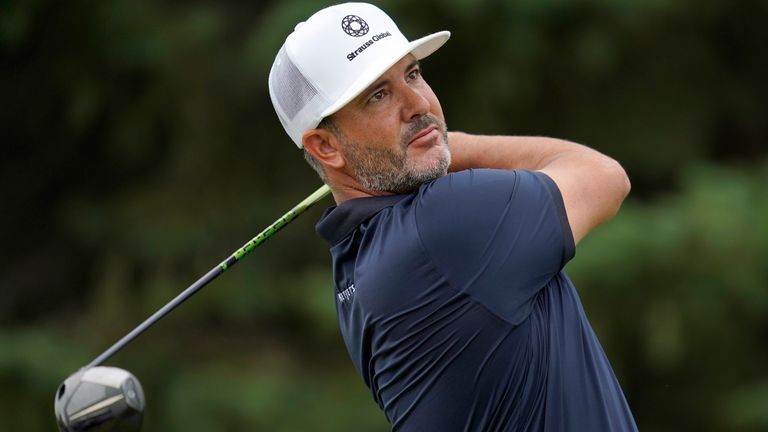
{"x": 390, "y": 170}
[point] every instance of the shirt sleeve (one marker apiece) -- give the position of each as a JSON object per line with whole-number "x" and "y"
{"x": 499, "y": 236}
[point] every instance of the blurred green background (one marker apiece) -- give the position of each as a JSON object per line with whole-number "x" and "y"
{"x": 139, "y": 149}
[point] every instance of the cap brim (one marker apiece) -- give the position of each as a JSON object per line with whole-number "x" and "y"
{"x": 420, "y": 48}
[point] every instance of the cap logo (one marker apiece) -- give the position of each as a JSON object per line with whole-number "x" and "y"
{"x": 355, "y": 26}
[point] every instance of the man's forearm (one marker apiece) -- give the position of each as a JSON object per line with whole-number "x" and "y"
{"x": 510, "y": 152}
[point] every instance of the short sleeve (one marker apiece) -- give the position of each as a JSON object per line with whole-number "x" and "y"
{"x": 499, "y": 236}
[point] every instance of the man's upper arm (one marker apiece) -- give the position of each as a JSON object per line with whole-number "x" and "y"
{"x": 592, "y": 187}
{"x": 499, "y": 236}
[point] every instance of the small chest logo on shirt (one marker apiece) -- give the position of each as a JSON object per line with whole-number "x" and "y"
{"x": 346, "y": 295}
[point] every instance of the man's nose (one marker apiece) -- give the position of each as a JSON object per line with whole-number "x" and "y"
{"x": 415, "y": 104}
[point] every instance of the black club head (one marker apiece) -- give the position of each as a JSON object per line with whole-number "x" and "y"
{"x": 99, "y": 399}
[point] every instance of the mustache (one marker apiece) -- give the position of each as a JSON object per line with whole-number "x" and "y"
{"x": 419, "y": 125}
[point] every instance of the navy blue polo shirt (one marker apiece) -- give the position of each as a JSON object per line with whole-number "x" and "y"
{"x": 456, "y": 312}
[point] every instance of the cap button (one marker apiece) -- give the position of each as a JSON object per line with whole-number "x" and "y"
{"x": 298, "y": 26}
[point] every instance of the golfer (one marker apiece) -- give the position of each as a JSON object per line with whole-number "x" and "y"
{"x": 448, "y": 248}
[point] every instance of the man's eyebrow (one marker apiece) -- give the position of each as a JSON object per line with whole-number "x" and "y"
{"x": 384, "y": 82}
{"x": 374, "y": 86}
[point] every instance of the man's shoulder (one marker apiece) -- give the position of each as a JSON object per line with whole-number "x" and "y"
{"x": 470, "y": 179}
{"x": 477, "y": 176}
{"x": 477, "y": 202}
{"x": 472, "y": 186}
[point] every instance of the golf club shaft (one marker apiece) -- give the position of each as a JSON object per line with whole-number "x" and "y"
{"x": 213, "y": 274}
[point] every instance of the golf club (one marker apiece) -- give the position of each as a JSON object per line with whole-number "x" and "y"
{"x": 107, "y": 398}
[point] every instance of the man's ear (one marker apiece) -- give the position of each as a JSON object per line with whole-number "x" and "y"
{"x": 323, "y": 146}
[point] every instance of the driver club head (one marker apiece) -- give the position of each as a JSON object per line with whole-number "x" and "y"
{"x": 99, "y": 399}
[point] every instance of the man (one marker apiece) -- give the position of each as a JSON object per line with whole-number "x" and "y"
{"x": 447, "y": 248}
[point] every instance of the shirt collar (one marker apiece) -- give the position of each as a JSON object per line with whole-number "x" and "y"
{"x": 338, "y": 222}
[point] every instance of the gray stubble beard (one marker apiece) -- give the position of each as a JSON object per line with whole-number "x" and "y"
{"x": 388, "y": 170}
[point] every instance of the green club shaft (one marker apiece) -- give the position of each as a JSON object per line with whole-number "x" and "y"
{"x": 214, "y": 273}
{"x": 275, "y": 227}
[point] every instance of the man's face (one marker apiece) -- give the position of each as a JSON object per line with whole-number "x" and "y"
{"x": 393, "y": 136}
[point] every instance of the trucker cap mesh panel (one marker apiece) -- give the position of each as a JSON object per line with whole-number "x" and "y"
{"x": 292, "y": 90}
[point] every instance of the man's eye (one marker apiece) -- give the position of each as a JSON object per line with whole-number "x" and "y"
{"x": 414, "y": 74}
{"x": 379, "y": 95}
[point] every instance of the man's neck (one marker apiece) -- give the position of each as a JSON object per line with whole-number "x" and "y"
{"x": 345, "y": 187}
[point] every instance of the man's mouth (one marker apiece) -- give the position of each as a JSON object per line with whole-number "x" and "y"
{"x": 423, "y": 133}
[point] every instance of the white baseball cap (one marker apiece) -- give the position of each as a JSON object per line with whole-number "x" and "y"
{"x": 332, "y": 57}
